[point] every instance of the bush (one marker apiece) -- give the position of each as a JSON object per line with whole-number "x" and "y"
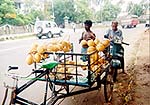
{"x": 0, "y": 20}
{"x": 18, "y": 21}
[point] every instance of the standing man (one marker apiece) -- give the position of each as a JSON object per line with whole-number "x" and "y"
{"x": 86, "y": 35}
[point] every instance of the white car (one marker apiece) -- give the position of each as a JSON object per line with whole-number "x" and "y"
{"x": 46, "y": 28}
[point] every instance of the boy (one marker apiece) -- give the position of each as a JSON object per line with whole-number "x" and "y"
{"x": 86, "y": 35}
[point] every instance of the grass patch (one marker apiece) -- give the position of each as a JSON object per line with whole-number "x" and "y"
{"x": 24, "y": 36}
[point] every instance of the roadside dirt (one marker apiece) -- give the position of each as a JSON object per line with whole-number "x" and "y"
{"x": 133, "y": 87}
{"x": 141, "y": 87}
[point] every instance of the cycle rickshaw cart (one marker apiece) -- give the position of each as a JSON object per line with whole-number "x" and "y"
{"x": 64, "y": 72}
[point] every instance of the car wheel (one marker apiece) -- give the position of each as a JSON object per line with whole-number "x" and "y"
{"x": 123, "y": 26}
{"x": 39, "y": 36}
{"x": 49, "y": 35}
{"x": 145, "y": 25}
{"x": 39, "y": 29}
{"x": 59, "y": 34}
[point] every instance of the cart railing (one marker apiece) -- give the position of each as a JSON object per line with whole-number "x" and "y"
{"x": 72, "y": 71}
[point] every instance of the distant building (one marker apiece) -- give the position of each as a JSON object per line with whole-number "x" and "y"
{"x": 25, "y": 6}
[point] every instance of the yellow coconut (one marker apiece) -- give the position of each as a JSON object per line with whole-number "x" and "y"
{"x": 33, "y": 48}
{"x": 64, "y": 43}
{"x": 60, "y": 47}
{"x": 92, "y": 67}
{"x": 100, "y": 47}
{"x": 55, "y": 48}
{"x": 66, "y": 49}
{"x": 70, "y": 62}
{"x": 37, "y": 58}
{"x": 29, "y": 59}
{"x": 45, "y": 46}
{"x": 83, "y": 42}
{"x": 101, "y": 60}
{"x": 96, "y": 41}
{"x": 45, "y": 56}
{"x": 91, "y": 49}
{"x": 40, "y": 49}
{"x": 69, "y": 45}
{"x": 50, "y": 48}
{"x": 96, "y": 56}
{"x": 106, "y": 42}
{"x": 91, "y": 43}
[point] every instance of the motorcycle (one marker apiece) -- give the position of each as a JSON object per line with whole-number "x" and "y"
{"x": 116, "y": 51}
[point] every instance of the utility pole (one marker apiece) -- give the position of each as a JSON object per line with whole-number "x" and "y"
{"x": 53, "y": 15}
{"x": 100, "y": 8}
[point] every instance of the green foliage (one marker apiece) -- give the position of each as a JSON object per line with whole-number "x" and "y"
{"x": 18, "y": 21}
{"x": 63, "y": 8}
{"x": 0, "y": 20}
{"x": 6, "y": 7}
{"x": 82, "y": 11}
{"x": 36, "y": 13}
{"x": 135, "y": 9}
{"x": 109, "y": 12}
{"x": 77, "y": 11}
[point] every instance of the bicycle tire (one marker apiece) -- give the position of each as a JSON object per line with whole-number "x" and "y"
{"x": 5, "y": 96}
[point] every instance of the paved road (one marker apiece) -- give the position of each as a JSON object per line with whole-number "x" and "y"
{"x": 14, "y": 53}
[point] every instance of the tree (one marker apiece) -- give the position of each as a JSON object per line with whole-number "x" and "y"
{"x": 82, "y": 12}
{"x": 63, "y": 8}
{"x": 76, "y": 10}
{"x": 34, "y": 14}
{"x": 108, "y": 12}
{"x": 135, "y": 9}
{"x": 9, "y": 15}
{"x": 7, "y": 8}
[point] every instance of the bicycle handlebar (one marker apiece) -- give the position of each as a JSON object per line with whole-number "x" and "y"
{"x": 12, "y": 68}
{"x": 125, "y": 43}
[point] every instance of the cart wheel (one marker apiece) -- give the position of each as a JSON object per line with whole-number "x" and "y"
{"x": 108, "y": 87}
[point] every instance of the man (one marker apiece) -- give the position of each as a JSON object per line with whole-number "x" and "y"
{"x": 115, "y": 35}
{"x": 86, "y": 35}
{"x": 114, "y": 32}
{"x": 74, "y": 27}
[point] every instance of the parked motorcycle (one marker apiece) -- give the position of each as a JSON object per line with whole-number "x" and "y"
{"x": 116, "y": 55}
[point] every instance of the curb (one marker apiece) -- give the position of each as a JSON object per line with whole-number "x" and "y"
{"x": 15, "y": 36}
